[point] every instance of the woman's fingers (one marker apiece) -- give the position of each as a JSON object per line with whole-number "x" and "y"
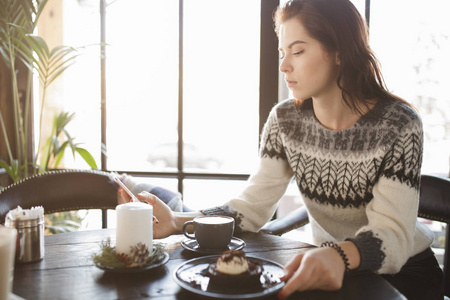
{"x": 320, "y": 268}
{"x": 299, "y": 279}
{"x": 163, "y": 226}
{"x": 147, "y": 197}
{"x": 291, "y": 267}
{"x": 122, "y": 196}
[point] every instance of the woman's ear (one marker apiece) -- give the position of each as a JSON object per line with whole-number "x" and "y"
{"x": 338, "y": 60}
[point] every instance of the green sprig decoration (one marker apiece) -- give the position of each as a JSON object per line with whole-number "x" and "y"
{"x": 107, "y": 257}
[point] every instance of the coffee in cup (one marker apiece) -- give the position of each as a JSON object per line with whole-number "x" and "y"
{"x": 211, "y": 232}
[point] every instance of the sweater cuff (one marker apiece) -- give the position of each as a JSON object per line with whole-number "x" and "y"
{"x": 370, "y": 250}
{"x": 226, "y": 211}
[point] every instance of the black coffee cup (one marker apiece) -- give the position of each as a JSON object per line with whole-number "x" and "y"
{"x": 211, "y": 232}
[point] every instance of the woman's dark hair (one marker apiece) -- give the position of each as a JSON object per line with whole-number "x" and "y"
{"x": 339, "y": 27}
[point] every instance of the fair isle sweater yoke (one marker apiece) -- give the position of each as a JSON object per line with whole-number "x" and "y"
{"x": 359, "y": 184}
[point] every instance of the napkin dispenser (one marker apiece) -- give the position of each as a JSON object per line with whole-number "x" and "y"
{"x": 30, "y": 233}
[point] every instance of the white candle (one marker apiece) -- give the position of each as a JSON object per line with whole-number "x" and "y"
{"x": 134, "y": 225}
{"x": 7, "y": 255}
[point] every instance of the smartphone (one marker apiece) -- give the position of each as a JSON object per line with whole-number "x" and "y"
{"x": 133, "y": 197}
{"x": 122, "y": 185}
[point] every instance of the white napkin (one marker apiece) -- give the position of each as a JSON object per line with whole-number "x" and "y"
{"x": 26, "y": 214}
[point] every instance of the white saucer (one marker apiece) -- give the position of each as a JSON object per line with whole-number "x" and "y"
{"x": 192, "y": 245}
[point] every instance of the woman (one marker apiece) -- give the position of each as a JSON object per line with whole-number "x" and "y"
{"x": 355, "y": 151}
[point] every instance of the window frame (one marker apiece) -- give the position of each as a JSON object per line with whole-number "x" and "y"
{"x": 270, "y": 86}
{"x": 267, "y": 99}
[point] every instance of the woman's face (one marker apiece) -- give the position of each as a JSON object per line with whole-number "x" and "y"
{"x": 309, "y": 70}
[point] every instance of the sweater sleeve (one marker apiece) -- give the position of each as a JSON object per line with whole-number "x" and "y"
{"x": 387, "y": 241}
{"x": 259, "y": 200}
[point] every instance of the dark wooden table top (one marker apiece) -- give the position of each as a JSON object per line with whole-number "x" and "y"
{"x": 67, "y": 271}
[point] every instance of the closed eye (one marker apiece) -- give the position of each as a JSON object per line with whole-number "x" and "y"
{"x": 294, "y": 53}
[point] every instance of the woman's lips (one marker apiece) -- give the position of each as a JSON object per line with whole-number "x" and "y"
{"x": 290, "y": 83}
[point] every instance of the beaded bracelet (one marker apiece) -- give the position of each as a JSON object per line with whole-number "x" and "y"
{"x": 340, "y": 251}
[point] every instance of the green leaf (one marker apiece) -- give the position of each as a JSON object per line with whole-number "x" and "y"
{"x": 46, "y": 150}
{"x": 87, "y": 157}
{"x": 54, "y": 76}
{"x": 60, "y": 155}
{"x": 50, "y": 63}
{"x": 62, "y": 121}
{"x": 18, "y": 20}
{"x": 12, "y": 169}
{"x": 55, "y": 145}
{"x": 70, "y": 140}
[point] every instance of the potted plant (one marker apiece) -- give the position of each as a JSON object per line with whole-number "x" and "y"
{"x": 19, "y": 45}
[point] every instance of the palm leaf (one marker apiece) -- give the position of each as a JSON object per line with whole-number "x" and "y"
{"x": 62, "y": 120}
{"x": 5, "y": 134}
{"x": 45, "y": 156}
{"x": 50, "y": 64}
{"x": 18, "y": 19}
{"x": 60, "y": 154}
{"x": 12, "y": 169}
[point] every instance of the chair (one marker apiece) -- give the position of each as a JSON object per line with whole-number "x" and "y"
{"x": 434, "y": 205}
{"x": 61, "y": 190}
{"x": 64, "y": 190}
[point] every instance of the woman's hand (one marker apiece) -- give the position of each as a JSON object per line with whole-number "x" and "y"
{"x": 321, "y": 268}
{"x": 165, "y": 223}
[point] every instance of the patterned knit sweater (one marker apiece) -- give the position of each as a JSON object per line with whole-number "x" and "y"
{"x": 359, "y": 184}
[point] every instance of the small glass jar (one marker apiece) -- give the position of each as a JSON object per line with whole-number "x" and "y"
{"x": 30, "y": 238}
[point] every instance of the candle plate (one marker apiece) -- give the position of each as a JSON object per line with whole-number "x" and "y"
{"x": 134, "y": 269}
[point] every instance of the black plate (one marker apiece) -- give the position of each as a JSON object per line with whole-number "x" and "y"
{"x": 192, "y": 245}
{"x": 190, "y": 276}
{"x": 134, "y": 270}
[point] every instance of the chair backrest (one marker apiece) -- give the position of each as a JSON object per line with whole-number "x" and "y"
{"x": 60, "y": 190}
{"x": 434, "y": 204}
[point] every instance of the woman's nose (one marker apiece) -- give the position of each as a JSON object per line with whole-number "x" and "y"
{"x": 285, "y": 66}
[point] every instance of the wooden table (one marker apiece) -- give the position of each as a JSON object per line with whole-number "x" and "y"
{"x": 67, "y": 272}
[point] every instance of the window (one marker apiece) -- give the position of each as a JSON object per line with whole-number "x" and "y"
{"x": 180, "y": 85}
{"x": 412, "y": 42}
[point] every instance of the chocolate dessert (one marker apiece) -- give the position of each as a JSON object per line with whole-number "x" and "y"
{"x": 234, "y": 270}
